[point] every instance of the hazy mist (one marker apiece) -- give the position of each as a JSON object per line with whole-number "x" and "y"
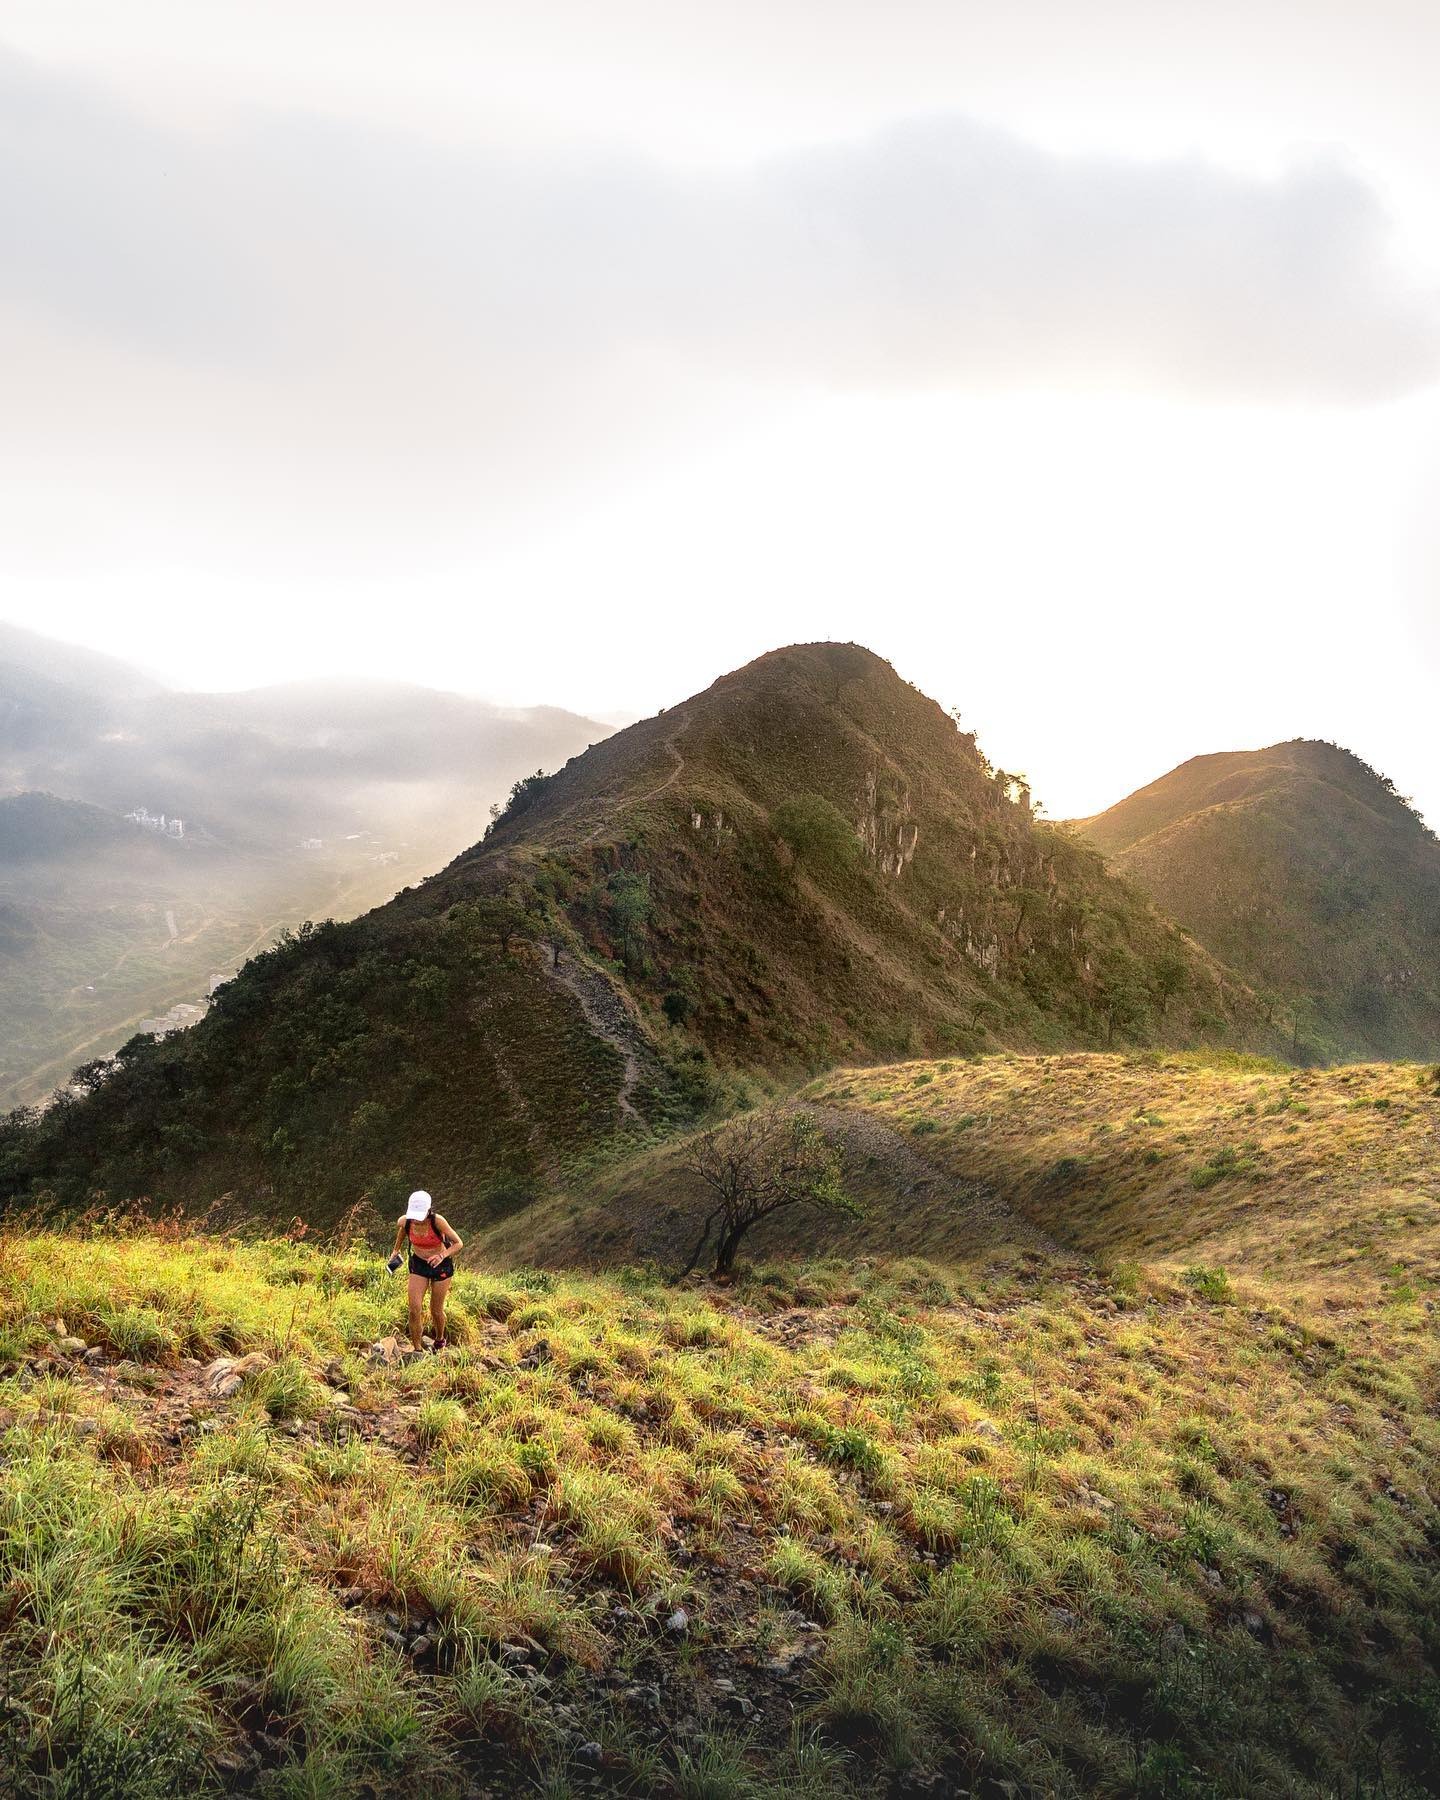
{"x": 574, "y": 356}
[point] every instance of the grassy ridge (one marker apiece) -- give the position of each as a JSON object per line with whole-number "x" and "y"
{"x": 1013, "y": 1526}
{"x": 1316, "y": 1179}
{"x": 1321, "y": 1180}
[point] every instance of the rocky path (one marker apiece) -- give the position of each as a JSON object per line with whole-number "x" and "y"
{"x": 610, "y": 1019}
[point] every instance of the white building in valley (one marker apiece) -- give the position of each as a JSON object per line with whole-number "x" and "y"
{"x": 177, "y": 1019}
{"x": 142, "y": 815}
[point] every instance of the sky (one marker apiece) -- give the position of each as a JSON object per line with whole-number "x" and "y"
{"x": 1083, "y": 361}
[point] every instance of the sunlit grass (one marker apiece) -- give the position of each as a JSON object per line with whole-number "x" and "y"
{"x": 951, "y": 1502}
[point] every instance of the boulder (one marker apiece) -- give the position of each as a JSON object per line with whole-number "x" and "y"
{"x": 227, "y": 1374}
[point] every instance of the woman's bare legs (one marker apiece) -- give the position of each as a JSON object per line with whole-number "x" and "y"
{"x": 438, "y": 1290}
{"x": 418, "y": 1285}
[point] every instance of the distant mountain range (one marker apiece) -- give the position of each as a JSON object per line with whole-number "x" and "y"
{"x": 294, "y": 802}
{"x": 1303, "y": 869}
{"x": 805, "y": 862}
{"x": 264, "y": 767}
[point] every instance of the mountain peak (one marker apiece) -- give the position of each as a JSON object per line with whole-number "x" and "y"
{"x": 1300, "y": 866}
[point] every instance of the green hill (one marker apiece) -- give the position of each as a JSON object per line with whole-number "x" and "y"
{"x": 806, "y": 863}
{"x": 1301, "y": 868}
{"x": 42, "y": 825}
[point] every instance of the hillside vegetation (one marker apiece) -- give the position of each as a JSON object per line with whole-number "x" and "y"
{"x": 1015, "y": 1526}
{"x": 806, "y": 863}
{"x": 1321, "y": 1181}
{"x": 1301, "y": 868}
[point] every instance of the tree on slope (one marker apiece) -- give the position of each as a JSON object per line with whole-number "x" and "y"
{"x": 819, "y": 834}
{"x": 764, "y": 1162}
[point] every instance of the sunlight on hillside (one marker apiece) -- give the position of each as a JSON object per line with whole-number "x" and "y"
{"x": 896, "y": 1523}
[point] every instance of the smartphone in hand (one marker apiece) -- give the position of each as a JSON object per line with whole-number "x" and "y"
{"x": 394, "y": 1262}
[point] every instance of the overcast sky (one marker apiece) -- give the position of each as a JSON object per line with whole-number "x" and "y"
{"x": 1083, "y": 360}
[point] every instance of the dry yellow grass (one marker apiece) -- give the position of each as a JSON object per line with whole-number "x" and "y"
{"x": 1327, "y": 1178}
{"x": 1130, "y": 1490}
{"x": 935, "y": 1516}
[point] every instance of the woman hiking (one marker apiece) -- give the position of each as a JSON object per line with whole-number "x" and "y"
{"x": 433, "y": 1247}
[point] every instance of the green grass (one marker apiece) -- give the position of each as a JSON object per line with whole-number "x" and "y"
{"x": 918, "y": 1535}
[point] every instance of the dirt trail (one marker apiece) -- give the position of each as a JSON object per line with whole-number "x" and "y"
{"x": 609, "y": 1018}
{"x": 976, "y": 1213}
{"x": 672, "y": 745}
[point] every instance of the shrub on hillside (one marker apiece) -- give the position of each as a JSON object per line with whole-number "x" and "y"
{"x": 523, "y": 796}
{"x": 1209, "y": 1284}
{"x": 1225, "y": 1162}
{"x": 818, "y": 834}
{"x": 677, "y": 1006}
{"x": 628, "y": 904}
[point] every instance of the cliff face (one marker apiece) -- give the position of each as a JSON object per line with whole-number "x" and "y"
{"x": 804, "y": 863}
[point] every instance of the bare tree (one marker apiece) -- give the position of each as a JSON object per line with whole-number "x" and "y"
{"x": 761, "y": 1163}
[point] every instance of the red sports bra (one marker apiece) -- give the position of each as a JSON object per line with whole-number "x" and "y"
{"x": 431, "y": 1241}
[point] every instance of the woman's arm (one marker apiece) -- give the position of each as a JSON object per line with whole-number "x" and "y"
{"x": 399, "y": 1238}
{"x": 450, "y": 1239}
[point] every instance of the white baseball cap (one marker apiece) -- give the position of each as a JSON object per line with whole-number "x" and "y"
{"x": 418, "y": 1204}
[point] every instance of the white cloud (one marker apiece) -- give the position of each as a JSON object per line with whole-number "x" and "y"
{"x": 269, "y": 384}
{"x": 429, "y": 294}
